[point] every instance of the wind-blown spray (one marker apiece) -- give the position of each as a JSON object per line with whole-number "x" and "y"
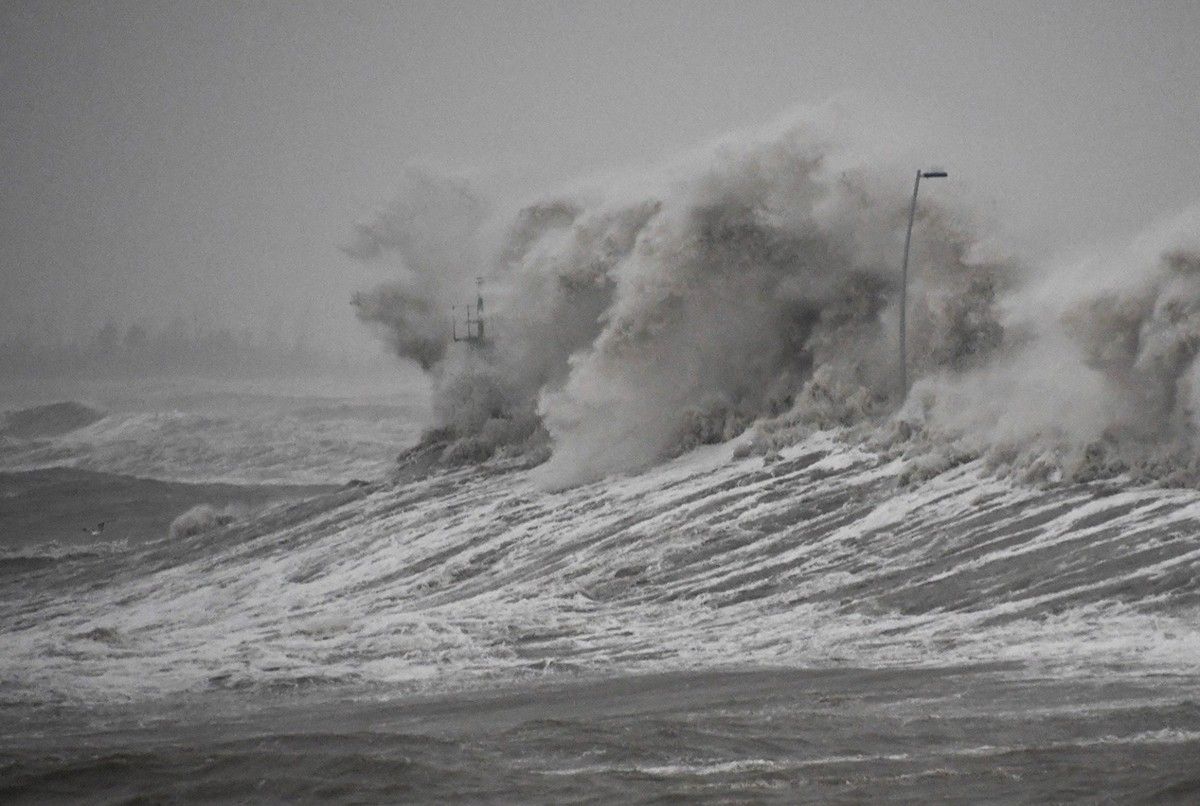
{"x": 757, "y": 281}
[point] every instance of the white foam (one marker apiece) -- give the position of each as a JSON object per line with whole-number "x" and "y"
{"x": 704, "y": 563}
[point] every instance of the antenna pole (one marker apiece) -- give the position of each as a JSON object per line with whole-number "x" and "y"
{"x": 912, "y": 211}
{"x": 479, "y": 305}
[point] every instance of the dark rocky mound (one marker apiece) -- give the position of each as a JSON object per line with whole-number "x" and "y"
{"x": 511, "y": 445}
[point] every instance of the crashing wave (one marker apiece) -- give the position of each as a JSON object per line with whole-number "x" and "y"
{"x": 755, "y": 283}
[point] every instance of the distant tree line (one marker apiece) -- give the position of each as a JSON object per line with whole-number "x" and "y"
{"x": 175, "y": 348}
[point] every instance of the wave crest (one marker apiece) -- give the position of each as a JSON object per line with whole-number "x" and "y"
{"x": 756, "y": 282}
{"x": 634, "y": 319}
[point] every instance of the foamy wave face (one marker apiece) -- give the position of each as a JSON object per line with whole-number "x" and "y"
{"x": 817, "y": 559}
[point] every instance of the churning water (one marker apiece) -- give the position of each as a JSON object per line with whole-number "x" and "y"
{"x": 813, "y": 626}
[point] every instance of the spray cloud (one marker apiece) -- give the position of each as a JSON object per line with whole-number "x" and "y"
{"x": 756, "y": 281}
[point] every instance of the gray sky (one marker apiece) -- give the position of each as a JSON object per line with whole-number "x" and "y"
{"x": 164, "y": 158}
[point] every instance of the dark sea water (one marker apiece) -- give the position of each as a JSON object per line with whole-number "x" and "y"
{"x": 713, "y": 630}
{"x": 782, "y": 736}
{"x": 61, "y": 505}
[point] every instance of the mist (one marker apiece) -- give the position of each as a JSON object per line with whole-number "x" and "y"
{"x": 184, "y": 159}
{"x": 753, "y": 282}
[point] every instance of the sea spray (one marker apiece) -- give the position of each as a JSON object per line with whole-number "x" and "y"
{"x": 754, "y": 283}
{"x": 204, "y": 518}
{"x": 632, "y": 320}
{"x": 1103, "y": 381}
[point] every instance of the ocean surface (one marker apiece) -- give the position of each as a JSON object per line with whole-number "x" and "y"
{"x": 811, "y": 628}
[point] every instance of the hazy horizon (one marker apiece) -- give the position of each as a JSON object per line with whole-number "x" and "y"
{"x": 205, "y": 161}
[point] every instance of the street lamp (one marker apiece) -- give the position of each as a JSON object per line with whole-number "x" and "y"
{"x": 912, "y": 212}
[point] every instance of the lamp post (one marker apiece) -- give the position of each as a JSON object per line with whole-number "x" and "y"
{"x": 912, "y": 212}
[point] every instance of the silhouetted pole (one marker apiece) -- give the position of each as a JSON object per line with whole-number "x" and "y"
{"x": 912, "y": 213}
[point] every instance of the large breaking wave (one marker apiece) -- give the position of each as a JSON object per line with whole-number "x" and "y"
{"x": 755, "y": 282}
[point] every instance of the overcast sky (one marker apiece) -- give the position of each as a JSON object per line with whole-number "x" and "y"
{"x": 164, "y": 158}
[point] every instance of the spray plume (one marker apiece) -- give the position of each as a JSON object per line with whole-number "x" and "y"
{"x": 755, "y": 282}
